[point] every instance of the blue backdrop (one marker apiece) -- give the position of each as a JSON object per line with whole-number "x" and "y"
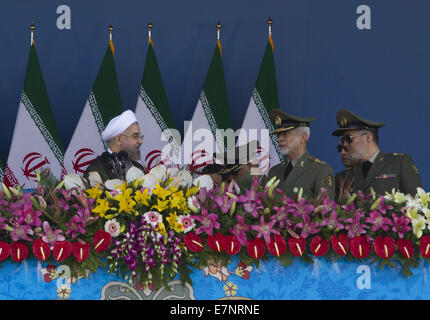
{"x": 324, "y": 62}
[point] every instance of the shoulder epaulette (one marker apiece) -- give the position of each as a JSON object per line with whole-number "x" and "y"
{"x": 317, "y": 160}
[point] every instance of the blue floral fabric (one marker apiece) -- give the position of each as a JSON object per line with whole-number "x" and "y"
{"x": 320, "y": 280}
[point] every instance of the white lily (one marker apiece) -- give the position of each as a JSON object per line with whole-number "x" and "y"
{"x": 113, "y": 184}
{"x": 94, "y": 179}
{"x": 149, "y": 181}
{"x": 418, "y": 225}
{"x": 187, "y": 179}
{"x": 73, "y": 180}
{"x": 423, "y": 197}
{"x": 133, "y": 174}
{"x": 159, "y": 172}
{"x": 172, "y": 171}
{"x": 204, "y": 181}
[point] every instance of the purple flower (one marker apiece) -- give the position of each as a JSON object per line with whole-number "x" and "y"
{"x": 208, "y": 222}
{"x": 29, "y": 216}
{"x": 51, "y": 236}
{"x": 401, "y": 224}
{"x": 75, "y": 225}
{"x": 20, "y": 232}
{"x": 307, "y": 226}
{"x": 281, "y": 216}
{"x": 265, "y": 229}
{"x": 378, "y": 221}
{"x": 332, "y": 221}
{"x": 354, "y": 226}
{"x": 2, "y": 224}
{"x": 224, "y": 202}
{"x": 240, "y": 229}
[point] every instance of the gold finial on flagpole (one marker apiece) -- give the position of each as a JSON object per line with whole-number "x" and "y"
{"x": 32, "y": 28}
{"x": 218, "y": 26}
{"x": 150, "y": 32}
{"x": 110, "y": 28}
{"x": 269, "y": 22}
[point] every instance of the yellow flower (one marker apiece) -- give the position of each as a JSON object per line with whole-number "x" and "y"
{"x": 161, "y": 192}
{"x": 192, "y": 191}
{"x": 161, "y": 205}
{"x": 172, "y": 219}
{"x": 95, "y": 192}
{"x": 161, "y": 228}
{"x": 102, "y": 207}
{"x": 142, "y": 197}
{"x": 126, "y": 203}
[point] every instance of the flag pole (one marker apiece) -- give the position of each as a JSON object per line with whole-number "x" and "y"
{"x": 32, "y": 28}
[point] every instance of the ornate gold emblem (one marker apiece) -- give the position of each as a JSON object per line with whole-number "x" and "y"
{"x": 278, "y": 120}
{"x": 343, "y": 122}
{"x": 415, "y": 169}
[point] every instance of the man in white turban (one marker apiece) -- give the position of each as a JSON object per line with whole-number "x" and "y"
{"x": 124, "y": 138}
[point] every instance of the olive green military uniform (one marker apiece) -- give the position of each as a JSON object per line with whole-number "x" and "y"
{"x": 309, "y": 172}
{"x": 388, "y": 170}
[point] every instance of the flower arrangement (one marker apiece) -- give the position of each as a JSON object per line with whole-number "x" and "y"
{"x": 263, "y": 221}
{"x": 151, "y": 228}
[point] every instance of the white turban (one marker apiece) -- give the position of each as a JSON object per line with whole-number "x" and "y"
{"x": 118, "y": 125}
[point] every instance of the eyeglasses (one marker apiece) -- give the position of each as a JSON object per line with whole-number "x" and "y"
{"x": 340, "y": 147}
{"x": 349, "y": 137}
{"x": 134, "y": 136}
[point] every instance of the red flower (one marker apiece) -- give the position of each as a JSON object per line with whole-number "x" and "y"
{"x": 256, "y": 248}
{"x": 232, "y": 245}
{"x": 193, "y": 242}
{"x": 61, "y": 250}
{"x": 41, "y": 249}
{"x": 340, "y": 244}
{"x": 360, "y": 247}
{"x": 241, "y": 270}
{"x": 80, "y": 251}
{"x": 405, "y": 248}
{"x": 4, "y": 250}
{"x": 425, "y": 246}
{"x": 51, "y": 273}
{"x": 319, "y": 246}
{"x": 18, "y": 251}
{"x": 216, "y": 242}
{"x": 297, "y": 246}
{"x": 384, "y": 246}
{"x": 101, "y": 240}
{"x": 277, "y": 246}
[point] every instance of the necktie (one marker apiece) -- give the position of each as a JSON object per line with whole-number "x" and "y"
{"x": 288, "y": 170}
{"x": 365, "y": 167}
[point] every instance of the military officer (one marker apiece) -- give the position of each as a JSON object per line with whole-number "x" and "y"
{"x": 240, "y": 164}
{"x": 377, "y": 170}
{"x": 124, "y": 139}
{"x": 300, "y": 170}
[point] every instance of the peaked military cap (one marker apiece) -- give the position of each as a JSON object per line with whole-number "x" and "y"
{"x": 240, "y": 156}
{"x": 347, "y": 120}
{"x": 284, "y": 121}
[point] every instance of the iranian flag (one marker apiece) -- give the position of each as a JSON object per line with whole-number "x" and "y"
{"x": 211, "y": 121}
{"x": 160, "y": 143}
{"x": 103, "y": 104}
{"x": 257, "y": 124}
{"x": 36, "y": 143}
{"x": 1, "y": 171}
